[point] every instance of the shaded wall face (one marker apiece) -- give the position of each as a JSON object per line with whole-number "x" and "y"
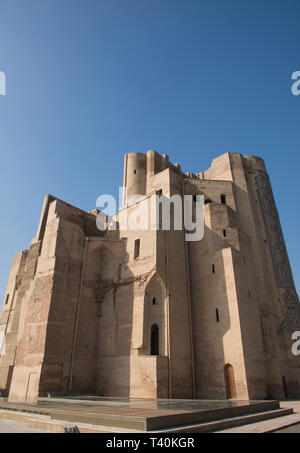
{"x": 114, "y": 342}
{"x": 207, "y": 332}
{"x": 259, "y": 308}
{"x": 215, "y": 313}
{"x": 172, "y": 261}
{"x": 280, "y": 294}
{"x": 106, "y": 319}
{"x": 251, "y": 282}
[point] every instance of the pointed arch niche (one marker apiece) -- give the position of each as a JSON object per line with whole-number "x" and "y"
{"x": 101, "y": 264}
{"x": 100, "y": 276}
{"x": 155, "y": 316}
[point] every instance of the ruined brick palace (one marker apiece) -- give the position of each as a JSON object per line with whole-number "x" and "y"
{"x": 146, "y": 314}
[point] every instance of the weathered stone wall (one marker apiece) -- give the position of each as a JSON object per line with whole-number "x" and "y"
{"x": 146, "y": 314}
{"x": 9, "y": 321}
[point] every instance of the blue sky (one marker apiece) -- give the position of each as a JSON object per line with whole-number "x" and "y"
{"x": 90, "y": 80}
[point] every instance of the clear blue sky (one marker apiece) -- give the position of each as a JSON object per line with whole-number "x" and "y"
{"x": 90, "y": 80}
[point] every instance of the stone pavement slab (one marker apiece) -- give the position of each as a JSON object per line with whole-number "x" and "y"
{"x": 13, "y": 426}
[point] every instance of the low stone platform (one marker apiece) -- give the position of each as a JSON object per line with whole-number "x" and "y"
{"x": 148, "y": 415}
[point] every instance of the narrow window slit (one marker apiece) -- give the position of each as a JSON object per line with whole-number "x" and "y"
{"x": 137, "y": 245}
{"x": 154, "y": 350}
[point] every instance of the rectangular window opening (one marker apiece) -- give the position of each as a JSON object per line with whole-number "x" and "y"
{"x": 137, "y": 245}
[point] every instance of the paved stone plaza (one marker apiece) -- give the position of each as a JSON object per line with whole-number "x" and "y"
{"x": 13, "y": 426}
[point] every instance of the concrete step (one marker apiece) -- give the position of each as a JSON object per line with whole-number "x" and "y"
{"x": 45, "y": 422}
{"x": 142, "y": 418}
{"x": 225, "y": 423}
{"x": 204, "y": 427}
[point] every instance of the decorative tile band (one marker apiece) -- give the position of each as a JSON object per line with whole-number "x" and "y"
{"x": 279, "y": 254}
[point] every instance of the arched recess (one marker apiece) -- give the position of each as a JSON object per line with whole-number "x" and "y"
{"x": 230, "y": 381}
{"x": 100, "y": 277}
{"x": 155, "y": 315}
{"x": 95, "y": 310}
{"x": 101, "y": 265}
{"x": 103, "y": 273}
